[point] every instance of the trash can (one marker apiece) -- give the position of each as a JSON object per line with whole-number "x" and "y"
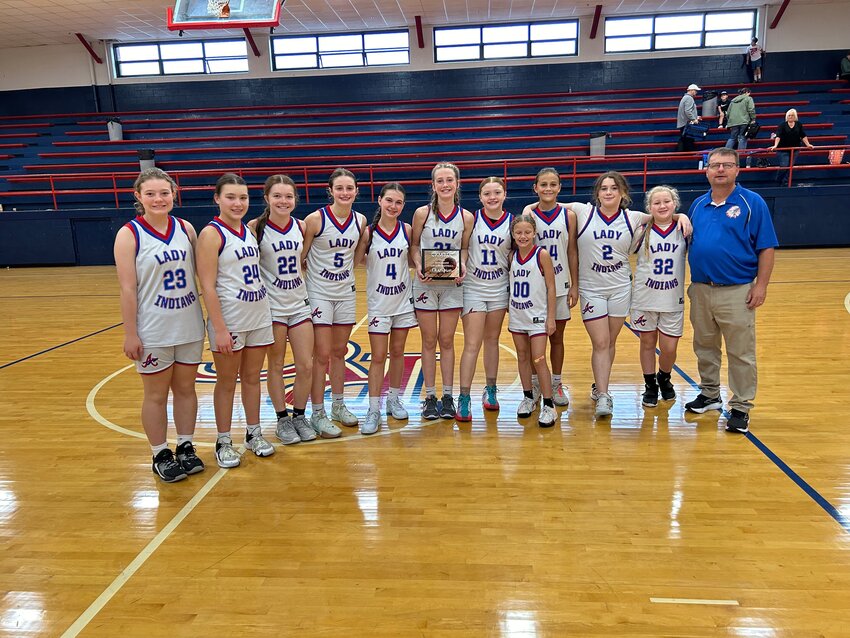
{"x": 597, "y": 143}
{"x": 115, "y": 130}
{"x": 146, "y": 158}
{"x": 709, "y": 104}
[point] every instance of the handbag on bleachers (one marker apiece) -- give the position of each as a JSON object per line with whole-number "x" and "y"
{"x": 695, "y": 131}
{"x": 752, "y": 130}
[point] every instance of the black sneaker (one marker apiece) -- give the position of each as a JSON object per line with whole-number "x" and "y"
{"x": 738, "y": 422}
{"x": 650, "y": 395}
{"x": 447, "y": 407}
{"x": 668, "y": 393}
{"x": 167, "y": 468}
{"x": 187, "y": 458}
{"x": 429, "y": 408}
{"x": 703, "y": 404}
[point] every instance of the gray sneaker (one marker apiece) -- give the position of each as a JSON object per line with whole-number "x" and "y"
{"x": 560, "y": 396}
{"x": 447, "y": 407}
{"x": 429, "y": 408}
{"x": 546, "y": 418}
{"x": 225, "y": 455}
{"x": 342, "y": 414}
{"x": 258, "y": 445}
{"x": 303, "y": 429}
{"x": 604, "y": 404}
{"x": 373, "y": 422}
{"x": 323, "y": 426}
{"x": 396, "y": 409}
{"x": 285, "y": 432}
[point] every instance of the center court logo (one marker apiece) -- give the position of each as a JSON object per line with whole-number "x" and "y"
{"x": 356, "y": 376}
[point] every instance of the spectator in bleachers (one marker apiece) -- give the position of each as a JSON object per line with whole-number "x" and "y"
{"x": 723, "y": 109}
{"x": 790, "y": 134}
{"x": 742, "y": 111}
{"x": 844, "y": 69}
{"x": 687, "y": 114}
{"x": 754, "y": 59}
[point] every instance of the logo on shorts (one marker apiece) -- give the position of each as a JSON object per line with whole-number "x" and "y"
{"x": 587, "y": 308}
{"x": 733, "y": 212}
{"x": 640, "y": 321}
{"x": 423, "y": 298}
{"x": 373, "y": 322}
{"x": 150, "y": 361}
{"x": 316, "y": 313}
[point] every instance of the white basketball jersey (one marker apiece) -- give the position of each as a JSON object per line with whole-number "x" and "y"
{"x": 603, "y": 248}
{"x": 168, "y": 312}
{"x": 489, "y": 256}
{"x": 330, "y": 262}
{"x": 243, "y": 296}
{"x": 553, "y": 234}
{"x": 389, "y": 289}
{"x": 280, "y": 267}
{"x": 660, "y": 276}
{"x": 528, "y": 292}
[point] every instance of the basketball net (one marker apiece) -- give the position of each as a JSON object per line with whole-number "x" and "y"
{"x": 218, "y": 8}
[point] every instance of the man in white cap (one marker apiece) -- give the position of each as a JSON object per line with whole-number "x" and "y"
{"x": 687, "y": 115}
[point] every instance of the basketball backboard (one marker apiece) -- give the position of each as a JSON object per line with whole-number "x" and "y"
{"x": 223, "y": 14}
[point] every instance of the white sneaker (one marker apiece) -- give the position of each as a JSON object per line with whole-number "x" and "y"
{"x": 342, "y": 414}
{"x": 526, "y": 408}
{"x": 604, "y": 404}
{"x": 323, "y": 426}
{"x": 285, "y": 431}
{"x": 396, "y": 409}
{"x": 594, "y": 393}
{"x": 547, "y": 416}
{"x": 560, "y": 396}
{"x": 258, "y": 445}
{"x": 373, "y": 422}
{"x": 225, "y": 455}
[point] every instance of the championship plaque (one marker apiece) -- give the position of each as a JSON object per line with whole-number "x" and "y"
{"x": 440, "y": 264}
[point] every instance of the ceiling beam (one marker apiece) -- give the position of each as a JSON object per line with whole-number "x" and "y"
{"x": 781, "y": 11}
{"x": 420, "y": 37}
{"x": 596, "y": 15}
{"x": 85, "y": 43}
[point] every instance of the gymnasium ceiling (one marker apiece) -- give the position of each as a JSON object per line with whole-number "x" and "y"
{"x": 43, "y": 22}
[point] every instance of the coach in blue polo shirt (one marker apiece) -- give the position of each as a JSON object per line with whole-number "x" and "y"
{"x": 731, "y": 258}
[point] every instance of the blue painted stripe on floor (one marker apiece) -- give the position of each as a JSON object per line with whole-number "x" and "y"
{"x": 61, "y": 345}
{"x": 812, "y": 493}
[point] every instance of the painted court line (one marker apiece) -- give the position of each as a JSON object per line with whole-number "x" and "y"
{"x": 693, "y": 601}
{"x": 61, "y": 345}
{"x": 129, "y": 571}
{"x": 798, "y": 480}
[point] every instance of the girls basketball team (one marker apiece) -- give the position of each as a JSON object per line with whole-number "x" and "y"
{"x": 279, "y": 280}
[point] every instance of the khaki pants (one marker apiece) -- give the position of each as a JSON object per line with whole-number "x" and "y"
{"x": 721, "y": 311}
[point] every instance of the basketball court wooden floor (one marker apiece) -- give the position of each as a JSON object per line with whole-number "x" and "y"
{"x": 650, "y": 524}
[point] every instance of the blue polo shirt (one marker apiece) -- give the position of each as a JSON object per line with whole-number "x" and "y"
{"x": 728, "y": 237}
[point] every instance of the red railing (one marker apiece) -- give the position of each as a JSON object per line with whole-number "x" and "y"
{"x": 314, "y": 178}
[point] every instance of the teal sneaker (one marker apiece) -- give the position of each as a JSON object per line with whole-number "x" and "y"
{"x": 489, "y": 399}
{"x": 464, "y": 408}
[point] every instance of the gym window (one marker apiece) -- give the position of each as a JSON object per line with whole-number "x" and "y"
{"x": 502, "y": 41}
{"x": 679, "y": 31}
{"x": 381, "y": 48}
{"x": 181, "y": 58}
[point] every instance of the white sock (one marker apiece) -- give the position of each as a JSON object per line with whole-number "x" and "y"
{"x": 556, "y": 379}
{"x": 183, "y": 438}
{"x": 535, "y": 381}
{"x": 253, "y": 430}
{"x": 447, "y": 390}
{"x": 156, "y": 449}
{"x": 337, "y": 399}
{"x": 393, "y": 394}
{"x": 375, "y": 404}
{"x": 318, "y": 407}
{"x": 223, "y": 437}
{"x": 431, "y": 392}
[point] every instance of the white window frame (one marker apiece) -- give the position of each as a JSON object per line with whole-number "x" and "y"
{"x": 330, "y": 57}
{"x": 481, "y": 45}
{"x": 205, "y": 60}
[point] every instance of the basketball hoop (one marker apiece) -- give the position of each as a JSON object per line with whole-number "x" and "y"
{"x": 219, "y": 8}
